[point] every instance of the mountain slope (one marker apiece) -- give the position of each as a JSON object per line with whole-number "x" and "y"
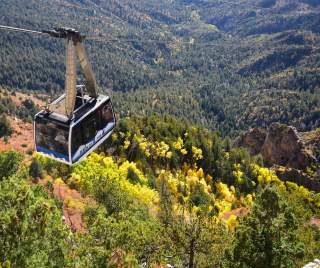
{"x": 265, "y": 54}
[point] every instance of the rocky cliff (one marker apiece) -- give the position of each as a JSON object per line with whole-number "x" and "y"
{"x": 279, "y": 145}
{"x": 312, "y": 142}
{"x": 292, "y": 154}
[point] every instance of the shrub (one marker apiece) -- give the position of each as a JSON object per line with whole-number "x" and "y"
{"x": 35, "y": 170}
{"x": 9, "y": 163}
{"x": 5, "y": 128}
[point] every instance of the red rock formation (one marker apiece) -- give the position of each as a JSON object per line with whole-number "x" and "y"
{"x": 280, "y": 145}
{"x": 284, "y": 146}
{"x": 253, "y": 140}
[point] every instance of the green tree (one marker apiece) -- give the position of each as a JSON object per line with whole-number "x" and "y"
{"x": 196, "y": 238}
{"x": 268, "y": 237}
{"x": 32, "y": 233}
{"x": 130, "y": 232}
{"x": 36, "y": 170}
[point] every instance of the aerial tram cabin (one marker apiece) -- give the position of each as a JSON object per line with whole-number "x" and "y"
{"x": 70, "y": 140}
{"x": 80, "y": 120}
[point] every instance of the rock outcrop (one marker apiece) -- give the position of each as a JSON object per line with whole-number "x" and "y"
{"x": 280, "y": 145}
{"x": 284, "y": 148}
{"x": 312, "y": 141}
{"x": 252, "y": 140}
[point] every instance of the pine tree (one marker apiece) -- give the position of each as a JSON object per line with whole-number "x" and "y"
{"x": 268, "y": 237}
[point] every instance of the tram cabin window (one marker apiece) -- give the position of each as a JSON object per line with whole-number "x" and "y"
{"x": 107, "y": 113}
{"x": 91, "y": 130}
{"x": 52, "y": 137}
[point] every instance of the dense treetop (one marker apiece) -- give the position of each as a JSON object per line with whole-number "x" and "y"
{"x": 169, "y": 194}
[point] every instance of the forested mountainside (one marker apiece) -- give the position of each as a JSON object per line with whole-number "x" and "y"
{"x": 227, "y": 65}
{"x": 171, "y": 194}
{"x": 169, "y": 188}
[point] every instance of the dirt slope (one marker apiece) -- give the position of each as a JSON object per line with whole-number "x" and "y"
{"x": 22, "y": 138}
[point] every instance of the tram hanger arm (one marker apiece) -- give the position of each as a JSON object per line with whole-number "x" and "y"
{"x": 91, "y": 82}
{"x": 74, "y": 46}
{"x": 70, "y": 86}
{"x": 77, "y": 38}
